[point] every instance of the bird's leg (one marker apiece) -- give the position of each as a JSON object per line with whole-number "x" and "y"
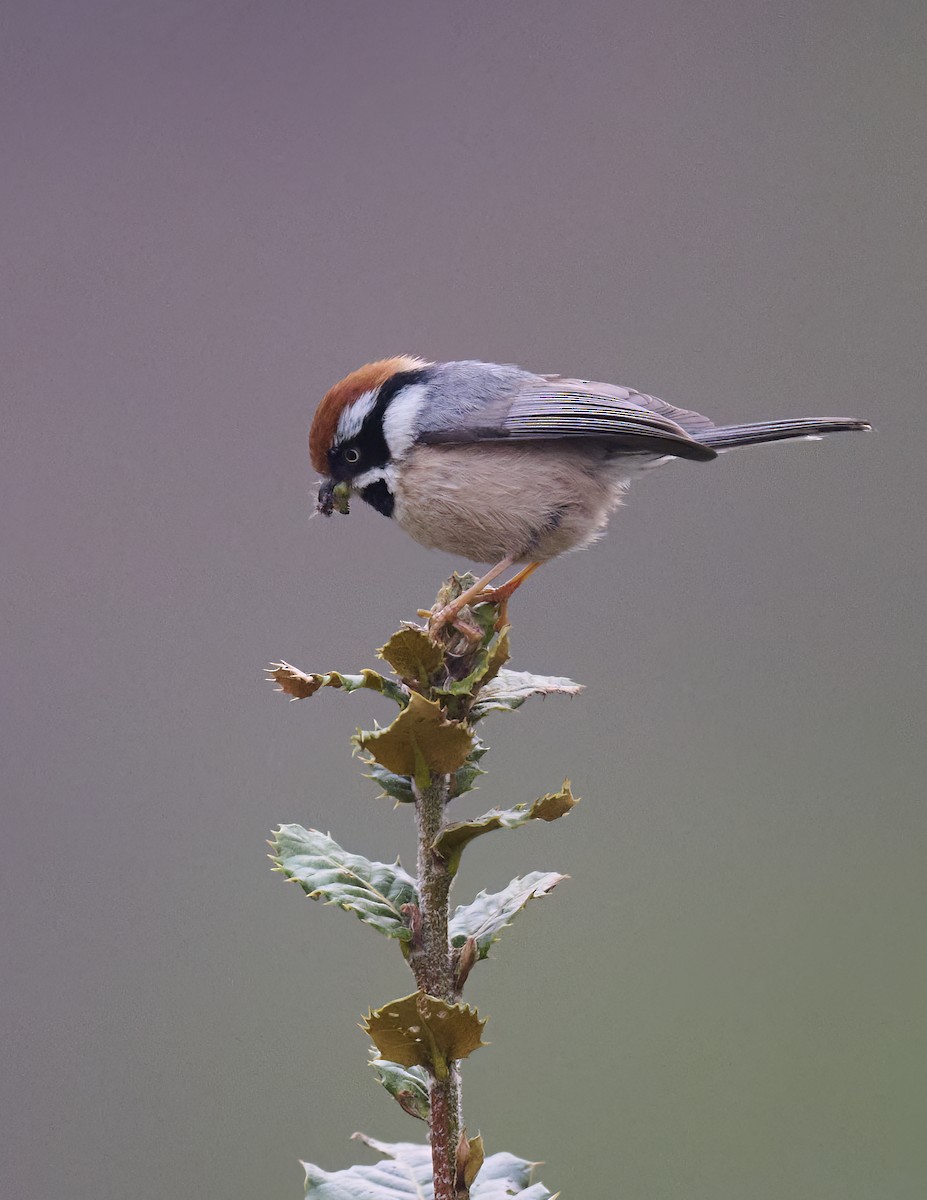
{"x": 450, "y": 611}
{"x": 499, "y": 595}
{"x": 502, "y": 595}
{"x": 482, "y": 593}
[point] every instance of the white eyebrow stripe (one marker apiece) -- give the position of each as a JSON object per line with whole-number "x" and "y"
{"x": 401, "y": 418}
{"x": 352, "y": 419}
{"x": 386, "y": 475}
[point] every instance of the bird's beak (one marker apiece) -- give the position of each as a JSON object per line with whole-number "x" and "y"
{"x": 334, "y": 496}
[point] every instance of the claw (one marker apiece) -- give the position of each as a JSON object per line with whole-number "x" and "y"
{"x": 482, "y": 593}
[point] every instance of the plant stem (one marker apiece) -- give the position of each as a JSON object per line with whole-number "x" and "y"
{"x": 434, "y": 974}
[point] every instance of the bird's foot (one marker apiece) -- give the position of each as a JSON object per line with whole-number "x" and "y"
{"x": 479, "y": 593}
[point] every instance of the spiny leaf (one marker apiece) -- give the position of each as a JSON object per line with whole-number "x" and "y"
{"x": 375, "y": 891}
{"x": 420, "y": 742}
{"x": 405, "y": 1174}
{"x": 490, "y": 913}
{"x": 510, "y": 689}
{"x": 407, "y": 1085}
{"x": 400, "y": 786}
{"x": 397, "y": 786}
{"x": 466, "y": 776}
{"x": 401, "y": 1151}
{"x": 413, "y": 655}
{"x": 425, "y": 1031}
{"x": 298, "y": 685}
{"x": 451, "y": 840}
{"x": 505, "y": 1177}
{"x": 501, "y": 1189}
{"x": 499, "y": 655}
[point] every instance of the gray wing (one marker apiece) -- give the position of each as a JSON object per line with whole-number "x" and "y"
{"x": 692, "y": 422}
{"x": 546, "y": 407}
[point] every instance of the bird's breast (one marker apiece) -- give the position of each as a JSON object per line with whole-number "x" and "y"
{"x": 489, "y": 500}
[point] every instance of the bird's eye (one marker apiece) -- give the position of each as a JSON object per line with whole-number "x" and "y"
{"x": 351, "y": 455}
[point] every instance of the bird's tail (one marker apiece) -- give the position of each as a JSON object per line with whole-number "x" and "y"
{"x": 726, "y": 436}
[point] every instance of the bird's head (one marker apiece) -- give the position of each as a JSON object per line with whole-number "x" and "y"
{"x": 362, "y": 426}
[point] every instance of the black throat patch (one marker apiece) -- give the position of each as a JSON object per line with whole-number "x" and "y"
{"x": 378, "y": 496}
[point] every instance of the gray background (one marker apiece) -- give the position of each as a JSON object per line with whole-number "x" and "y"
{"x": 211, "y": 212}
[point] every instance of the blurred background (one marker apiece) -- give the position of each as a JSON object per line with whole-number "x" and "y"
{"x": 211, "y": 212}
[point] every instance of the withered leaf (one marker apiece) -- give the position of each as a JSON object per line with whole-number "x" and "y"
{"x": 413, "y": 655}
{"x": 299, "y": 685}
{"x": 420, "y": 742}
{"x": 451, "y": 840}
{"x": 425, "y": 1031}
{"x": 470, "y": 1157}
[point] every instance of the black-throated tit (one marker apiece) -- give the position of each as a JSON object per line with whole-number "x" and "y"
{"x": 499, "y": 465}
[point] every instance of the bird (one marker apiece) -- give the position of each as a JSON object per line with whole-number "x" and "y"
{"x": 502, "y": 466}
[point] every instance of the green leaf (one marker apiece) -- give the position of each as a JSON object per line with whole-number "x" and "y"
{"x": 298, "y": 685}
{"x": 425, "y": 1031}
{"x": 375, "y": 891}
{"x": 451, "y": 840}
{"x": 490, "y": 913}
{"x": 404, "y": 1173}
{"x": 407, "y": 1085}
{"x": 505, "y": 1177}
{"x": 413, "y": 655}
{"x": 466, "y": 776}
{"x": 510, "y": 689}
{"x": 420, "y": 742}
{"x": 397, "y": 786}
{"x": 410, "y": 1151}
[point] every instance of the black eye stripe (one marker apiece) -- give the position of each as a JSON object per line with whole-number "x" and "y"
{"x": 370, "y": 442}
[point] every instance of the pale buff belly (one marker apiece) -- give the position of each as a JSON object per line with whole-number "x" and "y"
{"x": 494, "y": 499}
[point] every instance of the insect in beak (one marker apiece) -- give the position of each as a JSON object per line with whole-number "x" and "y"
{"x": 334, "y": 496}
